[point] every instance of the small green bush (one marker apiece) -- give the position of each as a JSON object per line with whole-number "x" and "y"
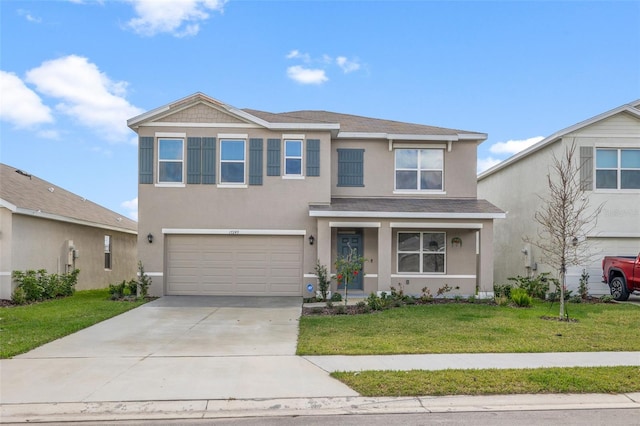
{"x": 336, "y": 297}
{"x": 39, "y": 285}
{"x": 19, "y": 297}
{"x": 537, "y": 286}
{"x": 374, "y": 302}
{"x": 521, "y": 298}
{"x": 502, "y": 290}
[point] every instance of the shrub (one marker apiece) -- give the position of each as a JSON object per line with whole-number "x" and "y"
{"x": 336, "y": 297}
{"x": 143, "y": 281}
{"x": 537, "y": 286}
{"x": 502, "y": 300}
{"x": 19, "y": 297}
{"x": 502, "y": 290}
{"x": 38, "y": 285}
{"x": 583, "y": 287}
{"x": 323, "y": 279}
{"x": 521, "y": 298}
{"x": 374, "y": 302}
{"x": 426, "y": 295}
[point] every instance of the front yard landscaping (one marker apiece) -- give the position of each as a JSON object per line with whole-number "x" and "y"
{"x": 472, "y": 328}
{"x": 26, "y": 327}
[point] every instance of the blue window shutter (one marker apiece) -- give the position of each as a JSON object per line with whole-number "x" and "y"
{"x": 255, "y": 161}
{"x": 313, "y": 157}
{"x": 586, "y": 168}
{"x": 273, "y": 157}
{"x": 350, "y": 167}
{"x": 194, "y": 164}
{"x": 208, "y": 160}
{"x": 145, "y": 159}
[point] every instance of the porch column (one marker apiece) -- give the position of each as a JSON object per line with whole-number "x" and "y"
{"x": 485, "y": 275}
{"x": 384, "y": 256}
{"x": 324, "y": 243}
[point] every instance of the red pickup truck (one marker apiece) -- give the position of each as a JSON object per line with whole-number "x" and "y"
{"x": 622, "y": 273}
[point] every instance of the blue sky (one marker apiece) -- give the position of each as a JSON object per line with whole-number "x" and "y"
{"x": 73, "y": 72}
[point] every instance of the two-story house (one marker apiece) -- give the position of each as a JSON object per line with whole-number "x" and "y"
{"x": 243, "y": 202}
{"x": 607, "y": 148}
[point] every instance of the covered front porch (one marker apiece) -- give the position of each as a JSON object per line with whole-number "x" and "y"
{"x": 408, "y": 246}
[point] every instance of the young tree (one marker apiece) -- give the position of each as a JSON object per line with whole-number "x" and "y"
{"x": 565, "y": 219}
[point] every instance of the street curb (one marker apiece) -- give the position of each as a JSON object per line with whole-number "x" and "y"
{"x": 232, "y": 408}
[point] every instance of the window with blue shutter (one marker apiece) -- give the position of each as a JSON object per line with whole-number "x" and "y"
{"x": 273, "y": 157}
{"x": 208, "y": 160}
{"x": 313, "y": 157}
{"x": 194, "y": 165}
{"x": 255, "y": 161}
{"x": 145, "y": 160}
{"x": 350, "y": 167}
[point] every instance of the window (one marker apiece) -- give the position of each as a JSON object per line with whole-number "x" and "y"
{"x": 232, "y": 161}
{"x": 293, "y": 158}
{"x": 617, "y": 168}
{"x": 107, "y": 252}
{"x": 170, "y": 160}
{"x": 421, "y": 252}
{"x": 419, "y": 169}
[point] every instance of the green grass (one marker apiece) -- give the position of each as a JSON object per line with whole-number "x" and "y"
{"x": 494, "y": 381}
{"x": 23, "y": 328}
{"x": 472, "y": 328}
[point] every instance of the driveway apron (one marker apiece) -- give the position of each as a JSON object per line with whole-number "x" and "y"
{"x": 175, "y": 348}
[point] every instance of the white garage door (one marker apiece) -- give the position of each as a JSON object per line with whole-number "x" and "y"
{"x": 250, "y": 265}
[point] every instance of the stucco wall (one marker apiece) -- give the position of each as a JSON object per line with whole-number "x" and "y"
{"x": 37, "y": 243}
{"x": 379, "y": 170}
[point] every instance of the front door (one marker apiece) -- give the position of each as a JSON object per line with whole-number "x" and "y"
{"x": 346, "y": 243}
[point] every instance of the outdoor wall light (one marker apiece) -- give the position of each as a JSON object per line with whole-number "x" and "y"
{"x": 312, "y": 239}
{"x": 150, "y": 238}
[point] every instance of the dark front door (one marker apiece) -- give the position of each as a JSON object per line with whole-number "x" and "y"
{"x": 346, "y": 243}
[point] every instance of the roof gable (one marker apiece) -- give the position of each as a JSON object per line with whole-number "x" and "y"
{"x": 600, "y": 121}
{"x": 27, "y": 194}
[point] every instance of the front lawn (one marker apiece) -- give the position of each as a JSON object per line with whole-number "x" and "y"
{"x": 26, "y": 327}
{"x": 494, "y": 381}
{"x": 472, "y": 328}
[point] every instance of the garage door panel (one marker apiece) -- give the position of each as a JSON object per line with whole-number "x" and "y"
{"x": 228, "y": 265}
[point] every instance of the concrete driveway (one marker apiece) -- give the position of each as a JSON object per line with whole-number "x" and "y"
{"x": 175, "y": 348}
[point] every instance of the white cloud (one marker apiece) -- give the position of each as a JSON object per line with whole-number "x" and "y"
{"x": 20, "y": 105}
{"x": 179, "y": 18}
{"x": 28, "y": 16}
{"x": 49, "y": 134}
{"x": 132, "y": 208}
{"x": 486, "y": 163}
{"x": 511, "y": 147}
{"x": 306, "y": 75}
{"x": 347, "y": 65}
{"x": 296, "y": 54}
{"x": 86, "y": 94}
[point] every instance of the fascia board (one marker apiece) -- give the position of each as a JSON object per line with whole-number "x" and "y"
{"x": 232, "y": 231}
{"x": 59, "y": 218}
{"x": 556, "y": 136}
{"x": 406, "y": 215}
{"x": 396, "y": 136}
{"x": 10, "y": 206}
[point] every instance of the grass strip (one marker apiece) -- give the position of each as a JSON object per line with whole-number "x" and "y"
{"x": 23, "y": 328}
{"x": 493, "y": 381}
{"x": 471, "y": 328}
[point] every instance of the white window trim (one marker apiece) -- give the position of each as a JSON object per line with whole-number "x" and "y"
{"x": 286, "y": 175}
{"x": 618, "y": 170}
{"x": 418, "y": 170}
{"x": 242, "y": 184}
{"x": 160, "y": 183}
{"x": 421, "y": 252}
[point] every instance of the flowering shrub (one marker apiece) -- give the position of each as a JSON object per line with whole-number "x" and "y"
{"x": 39, "y": 285}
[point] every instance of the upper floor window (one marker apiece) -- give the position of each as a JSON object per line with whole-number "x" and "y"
{"x": 293, "y": 158}
{"x": 232, "y": 161}
{"x": 617, "y": 168}
{"x": 170, "y": 160}
{"x": 419, "y": 169}
{"x": 421, "y": 252}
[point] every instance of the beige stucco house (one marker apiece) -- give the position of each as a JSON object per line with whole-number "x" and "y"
{"x": 43, "y": 226}
{"x": 243, "y": 202}
{"x": 609, "y": 149}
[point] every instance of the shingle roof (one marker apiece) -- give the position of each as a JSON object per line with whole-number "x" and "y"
{"x": 30, "y": 193}
{"x": 414, "y": 207}
{"x": 353, "y": 123}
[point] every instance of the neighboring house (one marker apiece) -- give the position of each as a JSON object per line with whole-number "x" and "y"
{"x": 608, "y": 150}
{"x": 42, "y": 226}
{"x": 243, "y": 202}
